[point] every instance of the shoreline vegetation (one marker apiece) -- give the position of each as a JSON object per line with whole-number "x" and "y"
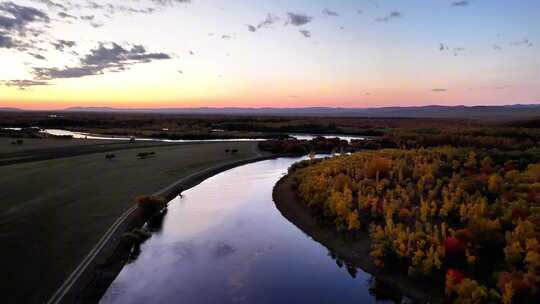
{"x": 354, "y": 250}
{"x": 464, "y": 220}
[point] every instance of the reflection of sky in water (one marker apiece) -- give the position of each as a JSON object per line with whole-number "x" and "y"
{"x": 82, "y": 135}
{"x": 340, "y": 136}
{"x": 225, "y": 242}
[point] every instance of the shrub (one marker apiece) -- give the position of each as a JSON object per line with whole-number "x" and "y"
{"x": 150, "y": 204}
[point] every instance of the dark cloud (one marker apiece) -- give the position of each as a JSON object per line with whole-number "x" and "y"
{"x": 88, "y": 17}
{"x": 17, "y": 28}
{"x": 329, "y": 12}
{"x": 392, "y": 15}
{"x": 66, "y": 15}
{"x": 109, "y": 9}
{"x": 37, "y": 56}
{"x": 96, "y": 24}
{"x": 460, "y": 3}
{"x": 305, "y": 33}
{"x": 107, "y": 57}
{"x": 268, "y": 21}
{"x": 298, "y": 19}
{"x": 251, "y": 28}
{"x": 17, "y": 17}
{"x": 496, "y": 47}
{"x": 60, "y": 44}
{"x": 24, "y": 84}
{"x": 359, "y": 12}
{"x": 6, "y": 41}
{"x": 438, "y": 90}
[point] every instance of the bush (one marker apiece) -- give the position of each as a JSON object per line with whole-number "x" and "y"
{"x": 136, "y": 236}
{"x": 150, "y": 204}
{"x": 144, "y": 155}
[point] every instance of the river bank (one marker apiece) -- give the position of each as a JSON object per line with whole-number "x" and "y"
{"x": 355, "y": 251}
{"x": 55, "y": 211}
{"x": 93, "y": 281}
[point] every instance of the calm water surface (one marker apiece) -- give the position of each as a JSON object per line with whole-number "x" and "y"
{"x": 225, "y": 242}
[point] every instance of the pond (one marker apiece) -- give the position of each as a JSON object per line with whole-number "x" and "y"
{"x": 224, "y": 241}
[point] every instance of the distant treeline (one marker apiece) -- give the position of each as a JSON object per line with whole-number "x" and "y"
{"x": 500, "y": 138}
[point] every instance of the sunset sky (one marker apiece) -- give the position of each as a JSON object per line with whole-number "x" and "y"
{"x": 274, "y": 53}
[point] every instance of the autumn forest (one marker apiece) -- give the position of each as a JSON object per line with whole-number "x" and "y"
{"x": 464, "y": 219}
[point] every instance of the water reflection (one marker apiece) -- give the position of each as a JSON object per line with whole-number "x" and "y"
{"x": 227, "y": 243}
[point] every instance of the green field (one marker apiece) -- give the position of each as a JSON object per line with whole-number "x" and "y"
{"x": 52, "y": 212}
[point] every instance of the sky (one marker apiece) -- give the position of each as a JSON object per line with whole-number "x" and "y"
{"x": 276, "y": 53}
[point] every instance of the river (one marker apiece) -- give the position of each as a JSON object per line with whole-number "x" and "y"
{"x": 224, "y": 241}
{"x": 83, "y": 135}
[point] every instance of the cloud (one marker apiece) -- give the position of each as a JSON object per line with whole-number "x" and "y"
{"x": 66, "y": 15}
{"x": 329, "y": 12}
{"x": 19, "y": 17}
{"x": 170, "y": 2}
{"x": 268, "y": 21}
{"x": 107, "y": 57}
{"x": 522, "y": 42}
{"x": 96, "y": 24}
{"x": 298, "y": 19}
{"x": 225, "y": 37}
{"x": 60, "y": 44}
{"x": 6, "y": 41}
{"x": 251, "y": 28}
{"x": 305, "y": 33}
{"x": 88, "y": 17}
{"x": 51, "y": 4}
{"x": 37, "y": 56}
{"x": 438, "y": 90}
{"x": 460, "y": 3}
{"x": 23, "y": 84}
{"x": 392, "y": 15}
{"x": 496, "y": 47}
{"x": 16, "y": 26}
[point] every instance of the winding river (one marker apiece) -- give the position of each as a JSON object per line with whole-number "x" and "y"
{"x": 224, "y": 241}
{"x": 83, "y": 135}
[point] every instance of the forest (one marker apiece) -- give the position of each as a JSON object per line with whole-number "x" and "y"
{"x": 466, "y": 219}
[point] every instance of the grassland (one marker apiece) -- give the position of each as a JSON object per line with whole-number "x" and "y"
{"x": 52, "y": 212}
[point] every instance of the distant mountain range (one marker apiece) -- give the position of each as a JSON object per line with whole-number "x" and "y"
{"x": 432, "y": 111}
{"x": 4, "y": 109}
